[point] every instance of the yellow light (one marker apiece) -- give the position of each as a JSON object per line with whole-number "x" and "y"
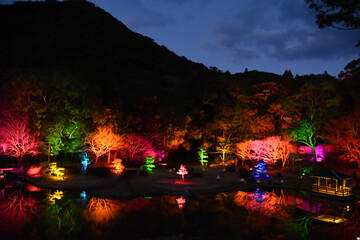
{"x": 55, "y": 172}
{"x": 56, "y": 195}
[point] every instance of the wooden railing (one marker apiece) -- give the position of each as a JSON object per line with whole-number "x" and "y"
{"x": 341, "y": 192}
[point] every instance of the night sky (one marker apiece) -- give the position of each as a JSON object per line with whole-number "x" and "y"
{"x": 264, "y": 35}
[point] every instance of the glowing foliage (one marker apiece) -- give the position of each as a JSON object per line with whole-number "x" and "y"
{"x": 203, "y": 156}
{"x": 149, "y": 165}
{"x": 55, "y": 172}
{"x": 53, "y": 196}
{"x": 224, "y": 147}
{"x": 138, "y": 147}
{"x": 16, "y": 137}
{"x": 304, "y": 132}
{"x": 280, "y": 149}
{"x": 16, "y": 210}
{"x": 259, "y": 170}
{"x": 101, "y": 211}
{"x": 103, "y": 140}
{"x": 85, "y": 161}
{"x": 182, "y": 171}
{"x": 34, "y": 171}
{"x": 117, "y": 166}
{"x": 242, "y": 150}
{"x": 345, "y": 133}
{"x": 181, "y": 201}
{"x": 270, "y": 150}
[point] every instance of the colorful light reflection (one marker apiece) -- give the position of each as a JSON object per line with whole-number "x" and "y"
{"x": 53, "y": 196}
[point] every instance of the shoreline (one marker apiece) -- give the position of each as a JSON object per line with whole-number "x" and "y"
{"x": 166, "y": 183}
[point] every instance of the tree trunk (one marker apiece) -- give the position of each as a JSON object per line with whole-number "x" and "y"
{"x": 313, "y": 153}
{"x": 49, "y": 153}
{"x": 96, "y": 160}
{"x": 109, "y": 157}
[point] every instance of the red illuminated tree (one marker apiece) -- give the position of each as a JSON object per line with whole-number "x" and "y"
{"x": 138, "y": 148}
{"x": 103, "y": 140}
{"x": 345, "y": 134}
{"x": 16, "y": 138}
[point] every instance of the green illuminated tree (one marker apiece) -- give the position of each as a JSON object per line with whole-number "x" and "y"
{"x": 67, "y": 118}
{"x": 203, "y": 156}
{"x": 305, "y": 132}
{"x": 149, "y": 165}
{"x": 307, "y": 110}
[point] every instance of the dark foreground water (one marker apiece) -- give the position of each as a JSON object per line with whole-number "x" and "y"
{"x": 32, "y": 213}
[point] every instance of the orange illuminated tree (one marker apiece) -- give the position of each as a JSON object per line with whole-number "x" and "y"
{"x": 103, "y": 140}
{"x": 345, "y": 134}
{"x": 242, "y": 150}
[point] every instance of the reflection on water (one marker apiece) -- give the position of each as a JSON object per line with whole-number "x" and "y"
{"x": 52, "y": 214}
{"x": 16, "y": 210}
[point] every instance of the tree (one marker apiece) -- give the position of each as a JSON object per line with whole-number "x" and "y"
{"x": 280, "y": 149}
{"x": 242, "y": 150}
{"x": 103, "y": 140}
{"x": 308, "y": 109}
{"x": 345, "y": 133}
{"x": 341, "y": 14}
{"x": 304, "y": 132}
{"x": 16, "y": 137}
{"x": 138, "y": 148}
{"x": 224, "y": 147}
{"x": 202, "y": 156}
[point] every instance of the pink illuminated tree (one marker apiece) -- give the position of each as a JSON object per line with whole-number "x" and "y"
{"x": 138, "y": 148}
{"x": 271, "y": 150}
{"x": 281, "y": 149}
{"x": 182, "y": 171}
{"x": 16, "y": 138}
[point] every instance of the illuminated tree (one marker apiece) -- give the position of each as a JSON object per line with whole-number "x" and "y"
{"x": 174, "y": 137}
{"x": 280, "y": 149}
{"x": 149, "y": 165}
{"x": 16, "y": 138}
{"x": 309, "y": 109}
{"x": 224, "y": 147}
{"x": 260, "y": 151}
{"x": 182, "y": 171}
{"x": 243, "y": 150}
{"x": 138, "y": 148}
{"x": 103, "y": 140}
{"x": 203, "y": 156}
{"x": 117, "y": 166}
{"x": 305, "y": 132}
{"x": 68, "y": 115}
{"x": 345, "y": 133}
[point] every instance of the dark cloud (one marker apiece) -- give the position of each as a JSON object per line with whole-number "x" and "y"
{"x": 151, "y": 19}
{"x": 145, "y": 17}
{"x": 279, "y": 29}
{"x": 181, "y": 2}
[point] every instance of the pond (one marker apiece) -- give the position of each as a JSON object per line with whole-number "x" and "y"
{"x": 28, "y": 212}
